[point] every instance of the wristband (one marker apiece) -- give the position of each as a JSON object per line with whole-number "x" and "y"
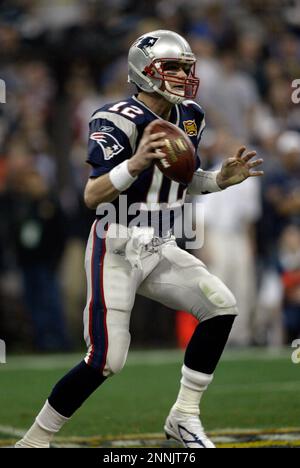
{"x": 120, "y": 176}
{"x": 204, "y": 182}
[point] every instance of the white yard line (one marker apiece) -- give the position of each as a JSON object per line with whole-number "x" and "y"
{"x": 219, "y": 435}
{"x": 254, "y": 387}
{"x": 156, "y": 357}
{"x": 12, "y": 431}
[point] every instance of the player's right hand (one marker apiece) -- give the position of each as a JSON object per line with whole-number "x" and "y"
{"x": 148, "y": 150}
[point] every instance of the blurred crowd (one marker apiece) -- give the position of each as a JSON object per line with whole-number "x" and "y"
{"x": 63, "y": 59}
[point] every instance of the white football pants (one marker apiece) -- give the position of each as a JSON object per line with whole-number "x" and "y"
{"x": 130, "y": 261}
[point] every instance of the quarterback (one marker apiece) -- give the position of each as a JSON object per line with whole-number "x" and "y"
{"x": 124, "y": 260}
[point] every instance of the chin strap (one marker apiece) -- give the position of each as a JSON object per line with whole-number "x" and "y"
{"x": 170, "y": 97}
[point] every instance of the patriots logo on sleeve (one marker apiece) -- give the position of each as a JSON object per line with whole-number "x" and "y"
{"x": 109, "y": 144}
{"x": 146, "y": 43}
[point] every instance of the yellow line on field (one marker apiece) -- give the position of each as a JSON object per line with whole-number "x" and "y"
{"x": 157, "y": 439}
{"x": 240, "y": 431}
{"x": 161, "y": 436}
{"x": 255, "y": 444}
{"x": 261, "y": 443}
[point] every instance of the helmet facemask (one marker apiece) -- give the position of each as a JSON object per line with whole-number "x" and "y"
{"x": 175, "y": 89}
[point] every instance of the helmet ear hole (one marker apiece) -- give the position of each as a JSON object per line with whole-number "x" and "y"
{"x": 148, "y": 70}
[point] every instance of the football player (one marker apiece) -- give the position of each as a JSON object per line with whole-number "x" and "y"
{"x": 124, "y": 259}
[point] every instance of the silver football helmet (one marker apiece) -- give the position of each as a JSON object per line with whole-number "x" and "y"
{"x": 150, "y": 62}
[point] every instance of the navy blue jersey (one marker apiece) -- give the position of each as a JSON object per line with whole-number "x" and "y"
{"x": 115, "y": 133}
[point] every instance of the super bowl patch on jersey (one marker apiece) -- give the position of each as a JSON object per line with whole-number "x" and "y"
{"x": 109, "y": 144}
{"x": 190, "y": 127}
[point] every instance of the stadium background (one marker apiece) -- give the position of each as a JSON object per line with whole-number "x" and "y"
{"x": 60, "y": 61}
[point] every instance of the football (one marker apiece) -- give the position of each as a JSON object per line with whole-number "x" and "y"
{"x": 179, "y": 164}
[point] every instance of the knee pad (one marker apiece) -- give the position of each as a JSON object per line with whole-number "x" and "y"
{"x": 118, "y": 346}
{"x": 220, "y": 299}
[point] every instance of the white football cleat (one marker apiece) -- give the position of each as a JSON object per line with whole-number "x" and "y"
{"x": 187, "y": 429}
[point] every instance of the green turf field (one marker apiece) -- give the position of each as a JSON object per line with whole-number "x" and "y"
{"x": 252, "y": 390}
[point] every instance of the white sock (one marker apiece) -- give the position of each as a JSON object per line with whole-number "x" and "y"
{"x": 47, "y": 423}
{"x": 35, "y": 437}
{"x": 49, "y": 419}
{"x": 193, "y": 385}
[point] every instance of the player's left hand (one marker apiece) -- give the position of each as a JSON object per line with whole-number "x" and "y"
{"x": 237, "y": 169}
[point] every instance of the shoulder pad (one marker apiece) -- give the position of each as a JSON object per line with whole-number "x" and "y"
{"x": 195, "y": 105}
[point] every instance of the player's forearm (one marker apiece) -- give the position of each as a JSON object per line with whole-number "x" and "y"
{"x": 99, "y": 190}
{"x": 204, "y": 182}
{"x": 108, "y": 186}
